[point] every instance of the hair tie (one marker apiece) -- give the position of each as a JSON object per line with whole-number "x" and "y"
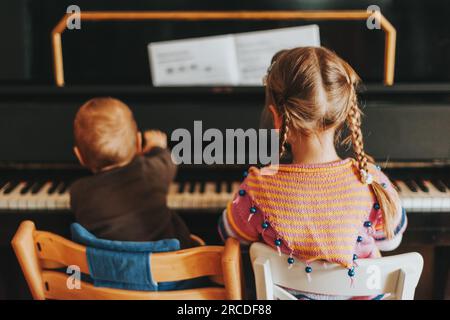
{"x": 366, "y": 177}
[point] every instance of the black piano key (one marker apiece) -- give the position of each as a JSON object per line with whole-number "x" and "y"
{"x": 411, "y": 185}
{"x": 202, "y": 186}
{"x": 37, "y": 187}
{"x": 53, "y": 187}
{"x": 439, "y": 185}
{"x": 3, "y": 183}
{"x": 396, "y": 186}
{"x": 422, "y": 186}
{"x": 447, "y": 183}
{"x": 229, "y": 188}
{"x": 10, "y": 187}
{"x": 218, "y": 186}
{"x": 63, "y": 187}
{"x": 27, "y": 187}
{"x": 181, "y": 187}
{"x": 191, "y": 187}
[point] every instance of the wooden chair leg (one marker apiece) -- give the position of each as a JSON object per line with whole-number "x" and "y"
{"x": 232, "y": 269}
{"x": 263, "y": 279}
{"x": 23, "y": 245}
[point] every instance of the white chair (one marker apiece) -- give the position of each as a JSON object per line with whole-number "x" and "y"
{"x": 397, "y": 275}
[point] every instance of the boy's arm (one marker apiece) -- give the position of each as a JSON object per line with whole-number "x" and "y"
{"x": 158, "y": 156}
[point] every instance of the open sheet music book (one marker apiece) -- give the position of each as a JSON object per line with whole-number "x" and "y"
{"x": 233, "y": 59}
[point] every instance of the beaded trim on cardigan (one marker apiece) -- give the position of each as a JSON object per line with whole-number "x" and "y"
{"x": 310, "y": 206}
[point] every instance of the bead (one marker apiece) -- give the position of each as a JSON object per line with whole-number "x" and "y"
{"x": 355, "y": 257}
{"x": 252, "y": 209}
{"x": 351, "y": 272}
{"x": 376, "y": 206}
{"x": 368, "y": 224}
{"x": 264, "y": 225}
{"x": 308, "y": 269}
{"x": 378, "y": 167}
{"x": 359, "y": 239}
{"x": 245, "y": 174}
{"x": 278, "y": 242}
{"x": 384, "y": 185}
{"x": 290, "y": 260}
{"x": 242, "y": 192}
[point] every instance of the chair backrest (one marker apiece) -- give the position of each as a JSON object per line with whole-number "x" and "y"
{"x": 397, "y": 275}
{"x": 40, "y": 253}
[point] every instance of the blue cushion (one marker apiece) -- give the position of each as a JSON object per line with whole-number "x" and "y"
{"x": 124, "y": 264}
{"x": 82, "y": 236}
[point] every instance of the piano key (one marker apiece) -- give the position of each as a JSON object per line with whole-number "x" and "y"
{"x": 202, "y": 187}
{"x": 15, "y": 199}
{"x": 37, "y": 187}
{"x": 406, "y": 195}
{"x": 63, "y": 187}
{"x": 197, "y": 201}
{"x": 10, "y": 187}
{"x": 411, "y": 184}
{"x": 229, "y": 190}
{"x": 27, "y": 187}
{"x": 218, "y": 187}
{"x": 447, "y": 183}
{"x": 2, "y": 184}
{"x": 181, "y": 187}
{"x": 439, "y": 185}
{"x": 54, "y": 187}
{"x": 421, "y": 185}
{"x": 210, "y": 195}
{"x": 437, "y": 198}
{"x": 38, "y": 197}
{"x": 396, "y": 186}
{"x": 224, "y": 194}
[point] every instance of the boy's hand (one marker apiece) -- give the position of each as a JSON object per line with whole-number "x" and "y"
{"x": 154, "y": 138}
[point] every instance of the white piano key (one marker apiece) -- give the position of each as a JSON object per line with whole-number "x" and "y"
{"x": 406, "y": 196}
{"x": 210, "y": 196}
{"x": 197, "y": 196}
{"x": 436, "y": 199}
{"x": 15, "y": 199}
{"x": 224, "y": 195}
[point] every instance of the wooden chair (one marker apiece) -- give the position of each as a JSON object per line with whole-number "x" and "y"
{"x": 40, "y": 252}
{"x": 397, "y": 275}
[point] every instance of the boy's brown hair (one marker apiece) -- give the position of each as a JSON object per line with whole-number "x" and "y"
{"x": 105, "y": 133}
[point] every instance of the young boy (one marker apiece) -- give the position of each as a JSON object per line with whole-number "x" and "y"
{"x": 125, "y": 199}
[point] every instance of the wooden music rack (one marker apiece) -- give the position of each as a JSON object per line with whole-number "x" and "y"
{"x": 386, "y": 26}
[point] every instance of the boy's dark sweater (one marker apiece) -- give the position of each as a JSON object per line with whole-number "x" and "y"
{"x": 129, "y": 203}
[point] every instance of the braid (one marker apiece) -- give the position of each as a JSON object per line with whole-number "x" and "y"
{"x": 384, "y": 199}
{"x": 284, "y": 131}
{"x": 354, "y": 123}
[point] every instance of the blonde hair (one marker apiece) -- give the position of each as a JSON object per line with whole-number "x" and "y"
{"x": 313, "y": 90}
{"x": 105, "y": 133}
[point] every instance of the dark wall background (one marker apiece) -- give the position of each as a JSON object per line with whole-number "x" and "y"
{"x": 115, "y": 53}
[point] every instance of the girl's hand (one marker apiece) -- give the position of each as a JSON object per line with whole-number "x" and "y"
{"x": 154, "y": 138}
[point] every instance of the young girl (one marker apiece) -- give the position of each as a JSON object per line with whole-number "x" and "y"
{"x": 320, "y": 207}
